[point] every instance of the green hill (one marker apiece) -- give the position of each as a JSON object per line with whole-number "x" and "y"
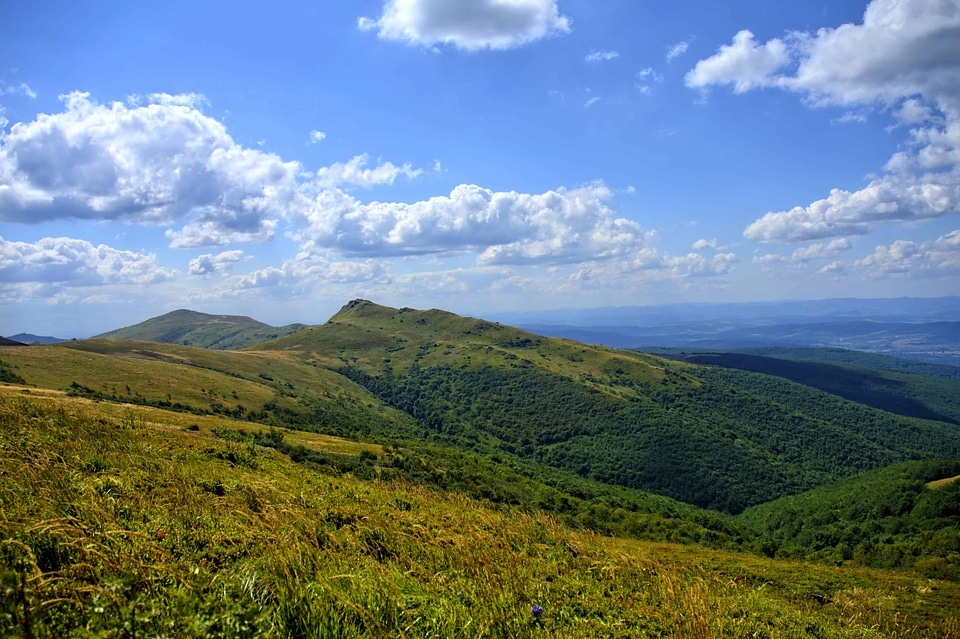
{"x": 190, "y": 328}
{"x": 119, "y": 522}
{"x": 909, "y": 394}
{"x": 243, "y": 393}
{"x": 721, "y": 440}
{"x": 903, "y": 516}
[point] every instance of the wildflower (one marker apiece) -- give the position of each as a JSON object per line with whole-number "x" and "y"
{"x": 536, "y": 611}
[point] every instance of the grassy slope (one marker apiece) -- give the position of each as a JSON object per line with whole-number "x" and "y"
{"x": 120, "y": 527}
{"x": 206, "y": 386}
{"x": 619, "y": 417}
{"x": 190, "y": 328}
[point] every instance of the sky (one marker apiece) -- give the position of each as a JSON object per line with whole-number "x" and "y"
{"x": 478, "y": 156}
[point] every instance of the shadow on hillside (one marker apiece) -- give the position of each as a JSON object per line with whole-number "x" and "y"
{"x": 871, "y": 389}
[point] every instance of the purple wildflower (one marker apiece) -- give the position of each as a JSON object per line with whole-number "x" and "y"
{"x": 536, "y": 610}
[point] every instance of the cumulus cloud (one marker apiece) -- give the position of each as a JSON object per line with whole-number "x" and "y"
{"x": 210, "y": 263}
{"x": 601, "y": 56}
{"x": 468, "y": 24}
{"x": 902, "y": 48}
{"x": 745, "y": 63}
{"x": 151, "y": 164}
{"x": 904, "y": 57}
{"x": 317, "y": 136}
{"x": 886, "y": 199}
{"x": 63, "y": 260}
{"x": 505, "y": 227}
{"x": 355, "y": 172}
{"x": 937, "y": 258}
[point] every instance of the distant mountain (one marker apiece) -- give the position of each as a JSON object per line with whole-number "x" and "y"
{"x": 904, "y": 309}
{"x": 10, "y": 342}
{"x": 919, "y": 328}
{"x": 191, "y": 328}
{"x": 27, "y": 338}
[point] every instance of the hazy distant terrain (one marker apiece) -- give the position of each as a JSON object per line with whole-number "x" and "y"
{"x": 923, "y": 329}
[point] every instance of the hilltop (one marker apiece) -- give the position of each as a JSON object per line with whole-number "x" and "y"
{"x": 191, "y": 328}
{"x": 718, "y": 439}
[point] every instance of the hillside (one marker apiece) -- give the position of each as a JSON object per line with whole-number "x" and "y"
{"x": 241, "y": 393}
{"x": 617, "y": 417}
{"x": 903, "y": 516}
{"x": 909, "y": 394}
{"x": 121, "y": 522}
{"x": 190, "y": 328}
{"x": 824, "y": 354}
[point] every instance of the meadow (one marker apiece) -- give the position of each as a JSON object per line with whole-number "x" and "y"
{"x": 124, "y": 520}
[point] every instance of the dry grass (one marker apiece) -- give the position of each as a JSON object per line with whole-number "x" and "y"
{"x": 123, "y": 524}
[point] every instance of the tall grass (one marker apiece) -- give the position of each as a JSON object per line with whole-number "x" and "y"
{"x": 112, "y": 526}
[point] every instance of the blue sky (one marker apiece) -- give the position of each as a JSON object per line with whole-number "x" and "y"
{"x": 478, "y": 156}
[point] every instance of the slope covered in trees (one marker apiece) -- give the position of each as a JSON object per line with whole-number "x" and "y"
{"x": 715, "y": 438}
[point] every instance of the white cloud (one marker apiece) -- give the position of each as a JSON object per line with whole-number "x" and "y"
{"x": 468, "y": 24}
{"x": 601, "y": 56}
{"x": 354, "y": 172}
{"x": 677, "y": 50}
{"x": 901, "y": 49}
{"x": 506, "y": 227}
{"x": 703, "y": 243}
{"x": 745, "y": 63}
{"x": 649, "y": 74}
{"x": 804, "y": 254}
{"x": 17, "y": 89}
{"x": 152, "y": 164}
{"x": 77, "y": 263}
{"x": 905, "y": 57}
{"x": 209, "y": 263}
{"x": 317, "y": 136}
{"x": 886, "y": 199}
{"x": 591, "y": 102}
{"x": 937, "y": 258}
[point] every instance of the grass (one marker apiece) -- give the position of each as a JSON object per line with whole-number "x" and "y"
{"x": 940, "y": 483}
{"x": 117, "y": 523}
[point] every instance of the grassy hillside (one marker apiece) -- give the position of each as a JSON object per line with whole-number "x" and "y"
{"x": 190, "y": 328}
{"x": 619, "y": 417}
{"x": 904, "y": 516}
{"x": 241, "y": 393}
{"x": 116, "y": 522}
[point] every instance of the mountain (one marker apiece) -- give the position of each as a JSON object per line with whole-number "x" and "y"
{"x": 190, "y": 328}
{"x": 716, "y": 438}
{"x": 27, "y": 338}
{"x": 10, "y": 342}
